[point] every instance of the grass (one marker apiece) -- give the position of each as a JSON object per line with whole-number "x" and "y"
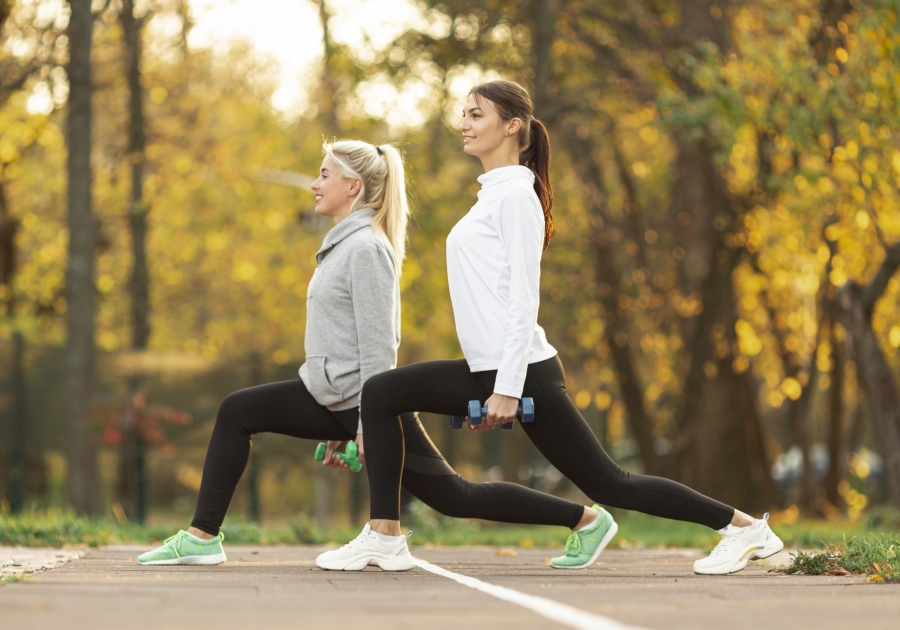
{"x": 55, "y": 528}
{"x": 10, "y": 579}
{"x": 877, "y": 556}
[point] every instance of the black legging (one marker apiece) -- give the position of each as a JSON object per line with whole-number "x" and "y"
{"x": 558, "y": 431}
{"x": 289, "y": 409}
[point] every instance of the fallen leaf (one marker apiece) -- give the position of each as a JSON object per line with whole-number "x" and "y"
{"x": 838, "y": 571}
{"x": 506, "y": 553}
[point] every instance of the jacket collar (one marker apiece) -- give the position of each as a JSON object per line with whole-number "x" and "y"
{"x": 503, "y": 174}
{"x": 353, "y": 223}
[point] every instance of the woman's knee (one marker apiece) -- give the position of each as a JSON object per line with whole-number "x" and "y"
{"x": 449, "y": 495}
{"x": 232, "y": 414}
{"x": 376, "y": 391}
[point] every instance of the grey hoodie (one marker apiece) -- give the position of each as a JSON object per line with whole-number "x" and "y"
{"x": 352, "y": 313}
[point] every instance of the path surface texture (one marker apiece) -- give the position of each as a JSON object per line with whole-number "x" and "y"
{"x": 456, "y": 587}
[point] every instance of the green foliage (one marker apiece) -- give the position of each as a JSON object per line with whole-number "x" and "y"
{"x": 873, "y": 555}
{"x": 58, "y": 528}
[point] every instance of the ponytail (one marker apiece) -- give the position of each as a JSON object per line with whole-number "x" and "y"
{"x": 391, "y": 220}
{"x": 536, "y": 157}
{"x": 512, "y": 101}
{"x": 383, "y": 188}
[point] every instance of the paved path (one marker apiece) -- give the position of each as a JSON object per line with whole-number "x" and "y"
{"x": 18, "y": 561}
{"x": 279, "y": 587}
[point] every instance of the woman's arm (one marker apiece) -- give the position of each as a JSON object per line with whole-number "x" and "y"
{"x": 373, "y": 289}
{"x": 519, "y": 222}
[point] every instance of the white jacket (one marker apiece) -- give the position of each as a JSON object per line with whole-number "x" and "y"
{"x": 494, "y": 272}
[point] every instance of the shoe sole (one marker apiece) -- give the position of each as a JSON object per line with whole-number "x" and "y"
{"x": 603, "y": 543}
{"x": 385, "y": 563}
{"x": 766, "y": 551}
{"x": 217, "y": 558}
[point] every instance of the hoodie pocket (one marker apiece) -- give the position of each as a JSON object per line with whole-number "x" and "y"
{"x": 320, "y": 384}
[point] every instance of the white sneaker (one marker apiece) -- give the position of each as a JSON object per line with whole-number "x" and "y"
{"x": 368, "y": 549}
{"x": 740, "y": 545}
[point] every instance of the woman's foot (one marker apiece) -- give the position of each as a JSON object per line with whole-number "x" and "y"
{"x": 184, "y": 548}
{"x": 369, "y": 548}
{"x": 740, "y": 545}
{"x": 585, "y": 545}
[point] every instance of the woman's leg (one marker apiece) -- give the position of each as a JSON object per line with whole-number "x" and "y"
{"x": 443, "y": 387}
{"x": 286, "y": 408}
{"x": 428, "y": 476}
{"x": 565, "y": 439}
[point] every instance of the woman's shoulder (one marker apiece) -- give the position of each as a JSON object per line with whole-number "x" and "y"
{"x": 369, "y": 247}
{"x": 519, "y": 195}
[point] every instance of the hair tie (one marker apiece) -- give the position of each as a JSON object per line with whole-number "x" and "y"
{"x": 380, "y": 152}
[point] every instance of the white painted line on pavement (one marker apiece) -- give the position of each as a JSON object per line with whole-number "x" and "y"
{"x": 561, "y": 613}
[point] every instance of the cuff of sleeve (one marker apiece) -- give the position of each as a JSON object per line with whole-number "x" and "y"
{"x": 359, "y": 427}
{"x": 512, "y": 392}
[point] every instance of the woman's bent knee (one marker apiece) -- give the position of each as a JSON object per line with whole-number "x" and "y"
{"x": 233, "y": 413}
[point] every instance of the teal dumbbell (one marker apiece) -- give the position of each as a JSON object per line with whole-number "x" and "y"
{"x": 477, "y": 412}
{"x": 350, "y": 457}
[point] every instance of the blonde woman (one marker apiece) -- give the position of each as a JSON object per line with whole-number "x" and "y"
{"x": 352, "y": 334}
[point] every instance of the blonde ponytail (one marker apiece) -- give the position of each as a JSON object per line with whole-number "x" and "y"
{"x": 383, "y": 187}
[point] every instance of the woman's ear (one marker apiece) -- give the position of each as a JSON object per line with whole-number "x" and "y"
{"x": 355, "y": 187}
{"x": 513, "y": 126}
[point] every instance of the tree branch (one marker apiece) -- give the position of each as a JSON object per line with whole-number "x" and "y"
{"x": 874, "y": 289}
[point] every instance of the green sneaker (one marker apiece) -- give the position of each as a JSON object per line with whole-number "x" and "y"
{"x": 183, "y": 548}
{"x": 584, "y": 546}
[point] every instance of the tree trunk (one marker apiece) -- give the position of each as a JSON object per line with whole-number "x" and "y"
{"x": 702, "y": 210}
{"x": 79, "y": 377}
{"x": 137, "y": 214}
{"x": 20, "y": 428}
{"x": 725, "y": 458}
{"x": 836, "y": 449}
{"x": 875, "y": 374}
{"x": 329, "y": 81}
{"x": 133, "y": 452}
{"x": 543, "y": 31}
{"x": 609, "y": 279}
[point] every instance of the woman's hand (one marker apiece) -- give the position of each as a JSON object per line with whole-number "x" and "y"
{"x": 362, "y": 453}
{"x": 501, "y": 410}
{"x": 333, "y": 460}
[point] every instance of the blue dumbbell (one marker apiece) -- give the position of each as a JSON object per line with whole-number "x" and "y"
{"x": 477, "y": 412}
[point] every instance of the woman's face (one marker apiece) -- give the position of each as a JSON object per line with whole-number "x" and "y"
{"x": 334, "y": 192}
{"x": 482, "y": 129}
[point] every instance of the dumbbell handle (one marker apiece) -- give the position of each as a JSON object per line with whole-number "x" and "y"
{"x": 484, "y": 411}
{"x": 525, "y": 404}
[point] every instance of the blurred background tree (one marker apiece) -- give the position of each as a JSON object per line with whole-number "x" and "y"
{"x": 722, "y": 285}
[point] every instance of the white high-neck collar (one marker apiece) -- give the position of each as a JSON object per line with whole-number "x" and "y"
{"x": 505, "y": 173}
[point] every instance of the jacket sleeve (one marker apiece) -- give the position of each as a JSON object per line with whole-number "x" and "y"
{"x": 520, "y": 223}
{"x": 374, "y": 290}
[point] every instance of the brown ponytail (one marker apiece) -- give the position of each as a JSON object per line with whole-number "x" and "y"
{"x": 512, "y": 101}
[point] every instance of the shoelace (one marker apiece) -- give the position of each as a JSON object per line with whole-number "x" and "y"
{"x": 356, "y": 542}
{"x": 573, "y": 544}
{"x": 727, "y": 543}
{"x": 177, "y": 538}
